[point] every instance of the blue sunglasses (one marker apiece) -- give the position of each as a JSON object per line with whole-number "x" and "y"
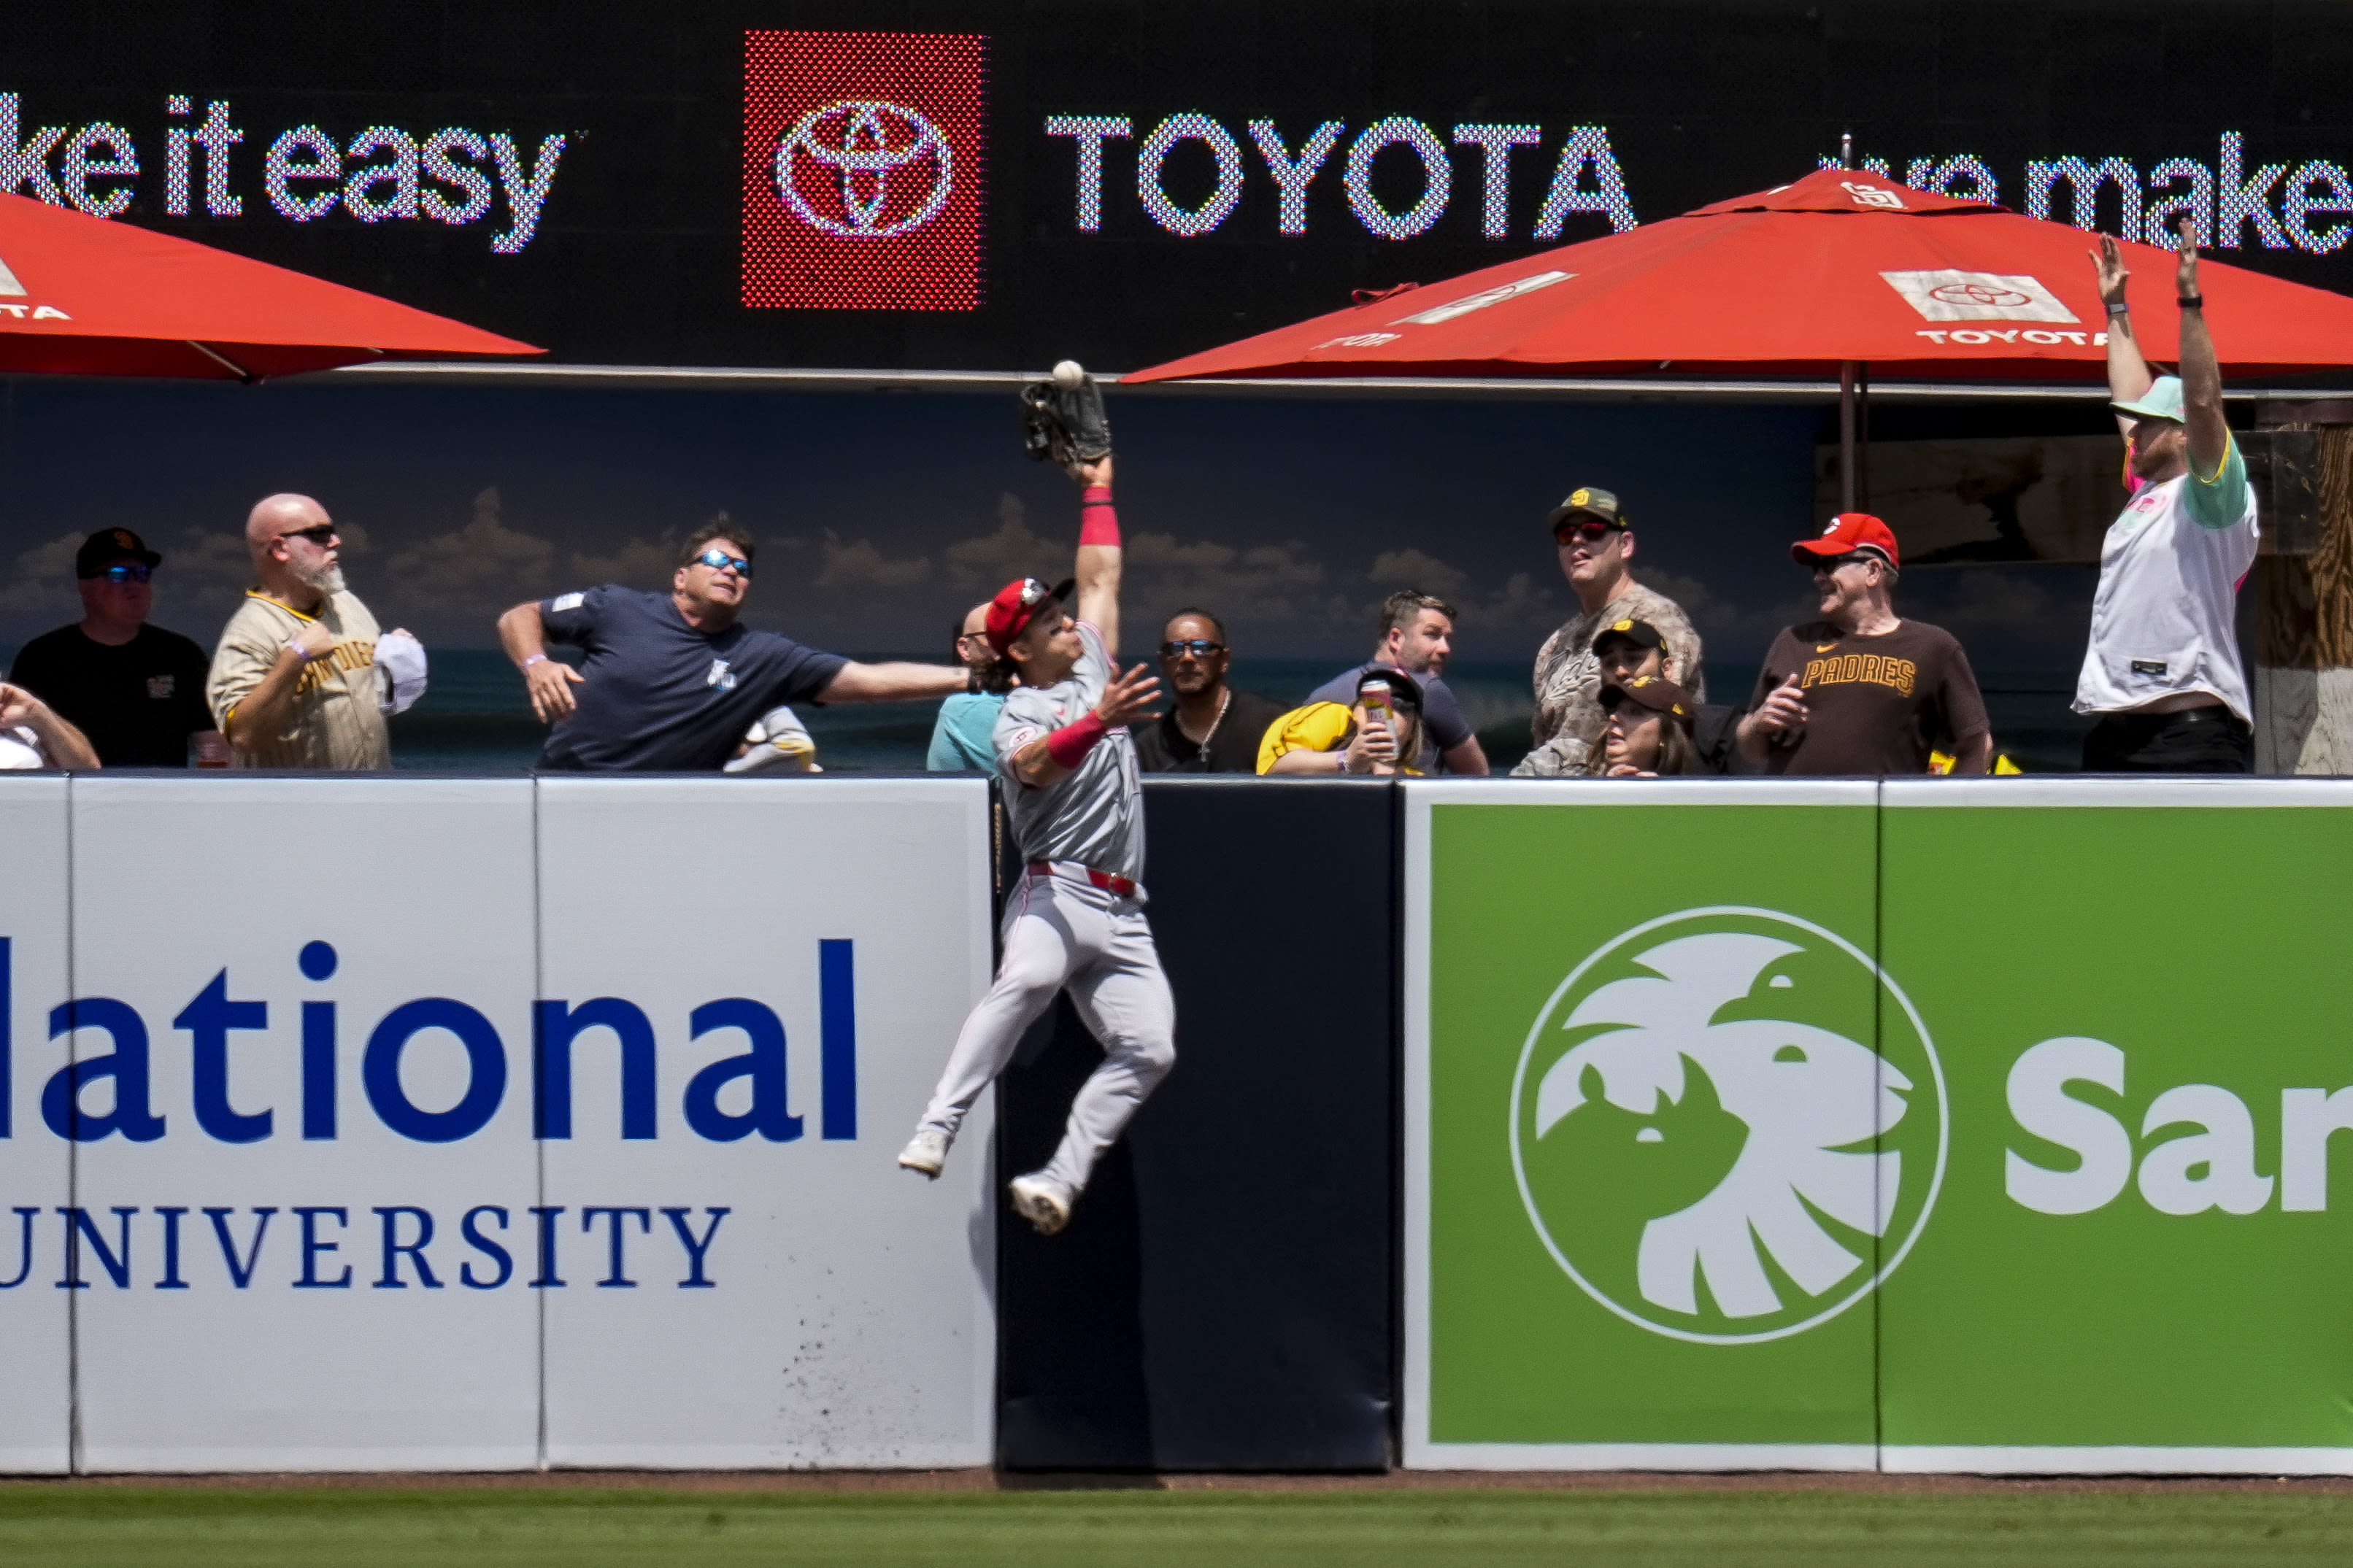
{"x": 718, "y": 560}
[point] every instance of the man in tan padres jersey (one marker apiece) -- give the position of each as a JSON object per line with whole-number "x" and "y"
{"x": 293, "y": 682}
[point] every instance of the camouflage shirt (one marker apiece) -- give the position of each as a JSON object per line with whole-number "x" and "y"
{"x": 1568, "y": 679}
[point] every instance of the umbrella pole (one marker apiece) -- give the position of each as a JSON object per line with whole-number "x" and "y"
{"x": 1846, "y": 436}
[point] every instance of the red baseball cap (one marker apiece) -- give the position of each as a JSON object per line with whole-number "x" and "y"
{"x": 1848, "y": 533}
{"x": 1016, "y": 606}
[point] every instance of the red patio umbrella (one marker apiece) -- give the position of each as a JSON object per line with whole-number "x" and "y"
{"x": 1839, "y": 270}
{"x": 83, "y": 295}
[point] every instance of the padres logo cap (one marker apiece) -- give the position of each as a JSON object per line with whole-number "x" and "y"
{"x": 1642, "y": 633}
{"x": 1656, "y": 692}
{"x": 1591, "y": 502}
{"x": 110, "y": 546}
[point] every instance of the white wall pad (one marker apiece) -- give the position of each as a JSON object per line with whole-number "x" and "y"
{"x": 748, "y": 1279}
{"x": 304, "y": 1011}
{"x": 35, "y": 1399}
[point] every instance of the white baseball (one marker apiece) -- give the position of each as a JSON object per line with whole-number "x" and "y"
{"x": 1067, "y": 375}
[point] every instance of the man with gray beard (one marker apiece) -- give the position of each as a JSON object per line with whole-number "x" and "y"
{"x": 294, "y": 682}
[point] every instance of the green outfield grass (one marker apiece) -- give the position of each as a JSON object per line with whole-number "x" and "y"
{"x": 68, "y": 1526}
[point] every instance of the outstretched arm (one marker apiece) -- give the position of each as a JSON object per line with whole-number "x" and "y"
{"x": 896, "y": 682}
{"x": 2201, "y": 377}
{"x": 1098, "y": 566}
{"x": 2128, "y": 376}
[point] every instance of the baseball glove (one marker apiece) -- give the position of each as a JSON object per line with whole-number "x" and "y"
{"x": 1066, "y": 425}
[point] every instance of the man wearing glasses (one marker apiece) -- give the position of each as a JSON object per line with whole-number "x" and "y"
{"x": 293, "y": 682}
{"x": 1595, "y": 546}
{"x": 1863, "y": 691}
{"x": 673, "y": 680}
{"x": 136, "y": 691}
{"x": 1212, "y": 728}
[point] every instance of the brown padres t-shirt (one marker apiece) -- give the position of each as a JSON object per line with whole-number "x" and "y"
{"x": 336, "y": 720}
{"x": 1873, "y": 705}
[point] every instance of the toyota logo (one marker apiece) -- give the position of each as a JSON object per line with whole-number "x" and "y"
{"x": 863, "y": 169}
{"x": 1980, "y": 294}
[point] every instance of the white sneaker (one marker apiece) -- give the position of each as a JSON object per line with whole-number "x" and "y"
{"x": 1040, "y": 1202}
{"x": 926, "y": 1152}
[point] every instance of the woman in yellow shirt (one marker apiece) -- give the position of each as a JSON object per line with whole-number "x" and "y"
{"x": 1368, "y": 738}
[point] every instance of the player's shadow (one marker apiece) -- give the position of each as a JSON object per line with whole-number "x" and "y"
{"x": 1072, "y": 1385}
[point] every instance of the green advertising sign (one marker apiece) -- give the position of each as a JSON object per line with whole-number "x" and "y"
{"x": 1930, "y": 1125}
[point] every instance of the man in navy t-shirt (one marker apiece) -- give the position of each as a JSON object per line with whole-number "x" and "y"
{"x": 671, "y": 682}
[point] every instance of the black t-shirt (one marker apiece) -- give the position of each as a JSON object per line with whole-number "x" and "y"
{"x": 1161, "y": 747}
{"x": 660, "y": 696}
{"x": 1874, "y": 705}
{"x": 138, "y": 703}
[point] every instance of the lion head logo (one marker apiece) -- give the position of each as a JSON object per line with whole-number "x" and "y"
{"x": 1728, "y": 1125}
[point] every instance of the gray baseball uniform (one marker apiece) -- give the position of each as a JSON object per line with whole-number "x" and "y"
{"x": 1065, "y": 929}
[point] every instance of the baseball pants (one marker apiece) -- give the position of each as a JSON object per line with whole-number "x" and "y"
{"x": 1063, "y": 934}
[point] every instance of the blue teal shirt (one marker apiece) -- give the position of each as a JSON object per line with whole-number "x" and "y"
{"x": 960, "y": 741}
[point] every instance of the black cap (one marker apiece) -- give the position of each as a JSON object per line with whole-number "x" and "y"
{"x": 1640, "y": 633}
{"x": 1656, "y": 692}
{"x": 108, "y": 546}
{"x": 1404, "y": 689}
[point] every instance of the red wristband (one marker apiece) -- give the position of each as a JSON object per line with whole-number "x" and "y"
{"x": 1098, "y": 519}
{"x": 1070, "y": 744}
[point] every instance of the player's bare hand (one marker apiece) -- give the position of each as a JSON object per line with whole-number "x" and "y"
{"x": 1090, "y": 475}
{"x": 314, "y": 639}
{"x": 2184, "y": 267}
{"x": 2109, "y": 261}
{"x": 1129, "y": 697}
{"x": 550, "y": 683}
{"x": 1783, "y": 711}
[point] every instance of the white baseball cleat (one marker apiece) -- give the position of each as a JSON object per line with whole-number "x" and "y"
{"x": 1040, "y": 1202}
{"x": 926, "y": 1152}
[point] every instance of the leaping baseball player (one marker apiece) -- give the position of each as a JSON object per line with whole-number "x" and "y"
{"x": 1076, "y": 922}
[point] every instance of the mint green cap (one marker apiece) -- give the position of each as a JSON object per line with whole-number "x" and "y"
{"x": 2161, "y": 401}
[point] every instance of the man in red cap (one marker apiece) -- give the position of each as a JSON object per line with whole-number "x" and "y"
{"x": 1863, "y": 691}
{"x": 1076, "y": 921}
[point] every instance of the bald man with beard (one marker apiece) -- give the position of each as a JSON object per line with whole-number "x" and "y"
{"x": 293, "y": 682}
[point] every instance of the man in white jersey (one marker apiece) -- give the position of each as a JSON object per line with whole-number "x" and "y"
{"x": 2162, "y": 671}
{"x": 1076, "y": 921}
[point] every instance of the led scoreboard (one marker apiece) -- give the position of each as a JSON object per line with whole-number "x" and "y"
{"x": 993, "y": 186}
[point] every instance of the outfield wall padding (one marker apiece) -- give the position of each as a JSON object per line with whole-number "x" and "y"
{"x": 1224, "y": 1299}
{"x": 412, "y": 1123}
{"x": 1906, "y": 1125}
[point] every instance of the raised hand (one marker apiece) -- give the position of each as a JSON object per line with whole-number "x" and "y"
{"x": 1090, "y": 475}
{"x": 2109, "y": 261}
{"x": 1129, "y": 697}
{"x": 2185, "y": 269}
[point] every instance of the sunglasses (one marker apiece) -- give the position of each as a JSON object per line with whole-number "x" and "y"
{"x": 321, "y": 536}
{"x": 1591, "y": 531}
{"x": 126, "y": 573}
{"x": 1832, "y": 562}
{"x": 1199, "y": 647}
{"x": 718, "y": 560}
